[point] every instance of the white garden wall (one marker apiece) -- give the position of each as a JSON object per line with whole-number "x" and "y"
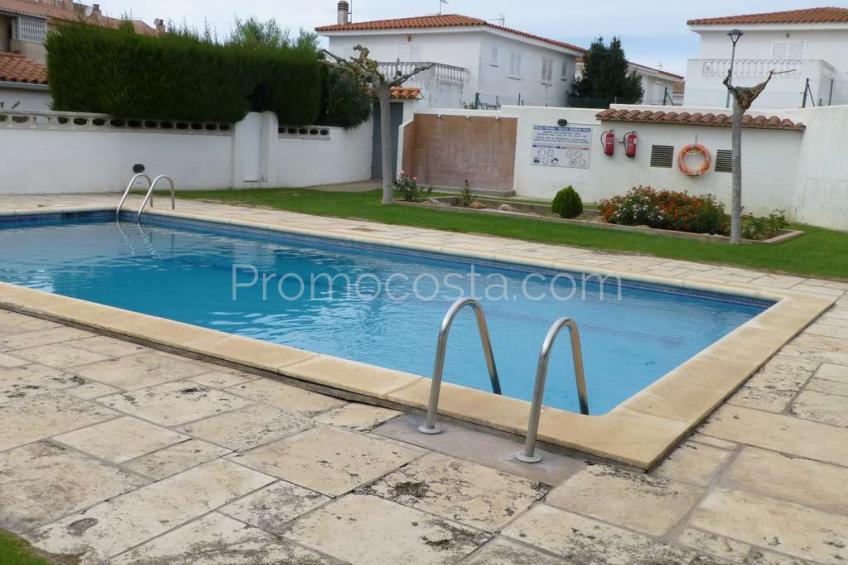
{"x": 57, "y": 152}
{"x": 803, "y": 173}
{"x": 324, "y": 155}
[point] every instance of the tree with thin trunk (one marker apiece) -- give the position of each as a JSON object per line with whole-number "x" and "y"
{"x": 367, "y": 72}
{"x": 743, "y": 98}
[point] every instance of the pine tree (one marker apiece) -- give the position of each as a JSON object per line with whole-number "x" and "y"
{"x": 606, "y": 78}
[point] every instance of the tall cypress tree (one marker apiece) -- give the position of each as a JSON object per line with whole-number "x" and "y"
{"x": 606, "y": 78}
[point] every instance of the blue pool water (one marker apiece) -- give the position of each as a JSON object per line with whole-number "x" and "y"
{"x": 184, "y": 271}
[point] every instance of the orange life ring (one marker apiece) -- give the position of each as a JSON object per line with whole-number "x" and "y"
{"x": 694, "y": 148}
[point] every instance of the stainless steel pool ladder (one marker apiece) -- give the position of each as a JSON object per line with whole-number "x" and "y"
{"x": 431, "y": 427}
{"x": 127, "y": 191}
{"x": 149, "y": 196}
{"x": 529, "y": 455}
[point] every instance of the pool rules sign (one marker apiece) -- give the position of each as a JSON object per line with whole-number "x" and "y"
{"x": 555, "y": 146}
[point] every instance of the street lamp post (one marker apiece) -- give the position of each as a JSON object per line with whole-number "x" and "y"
{"x": 734, "y": 35}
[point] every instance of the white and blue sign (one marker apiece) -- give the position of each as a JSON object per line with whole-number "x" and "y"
{"x": 555, "y": 146}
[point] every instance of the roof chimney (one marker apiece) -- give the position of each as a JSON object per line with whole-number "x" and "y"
{"x": 159, "y": 23}
{"x": 95, "y": 10}
{"x": 344, "y": 12}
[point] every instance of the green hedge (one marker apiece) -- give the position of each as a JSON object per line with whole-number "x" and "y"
{"x": 179, "y": 77}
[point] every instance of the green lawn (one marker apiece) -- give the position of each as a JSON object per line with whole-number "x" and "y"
{"x": 15, "y": 551}
{"x": 819, "y": 252}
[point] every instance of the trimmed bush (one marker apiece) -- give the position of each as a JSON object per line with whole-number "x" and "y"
{"x": 567, "y": 203}
{"x": 666, "y": 209}
{"x": 179, "y": 77}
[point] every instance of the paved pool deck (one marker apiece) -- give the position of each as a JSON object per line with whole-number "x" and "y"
{"x": 122, "y": 453}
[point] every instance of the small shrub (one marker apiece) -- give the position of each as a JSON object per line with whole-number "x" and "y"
{"x": 666, "y": 209}
{"x": 764, "y": 228}
{"x": 567, "y": 203}
{"x": 410, "y": 190}
{"x": 466, "y": 197}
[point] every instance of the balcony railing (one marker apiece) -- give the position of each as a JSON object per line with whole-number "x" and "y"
{"x": 788, "y": 68}
{"x": 439, "y": 71}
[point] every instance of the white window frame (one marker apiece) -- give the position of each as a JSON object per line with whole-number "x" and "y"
{"x": 515, "y": 61}
{"x": 29, "y": 30}
{"x": 547, "y": 71}
{"x": 494, "y": 56}
{"x": 565, "y": 69}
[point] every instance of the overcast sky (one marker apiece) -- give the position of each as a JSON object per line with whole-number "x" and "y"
{"x": 653, "y": 31}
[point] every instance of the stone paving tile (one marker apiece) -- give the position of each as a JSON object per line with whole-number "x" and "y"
{"x": 712, "y": 544}
{"x": 828, "y": 330}
{"x": 833, "y": 373}
{"x": 112, "y": 527}
{"x": 355, "y": 416}
{"x": 762, "y": 399}
{"x": 223, "y": 379}
{"x": 109, "y": 347}
{"x": 41, "y": 482}
{"x": 820, "y": 485}
{"x": 693, "y": 463}
{"x": 763, "y": 557}
{"x": 175, "y": 459}
{"x": 55, "y": 334}
{"x": 59, "y": 355}
{"x": 780, "y": 433}
{"x": 589, "y": 542}
{"x": 31, "y": 380}
{"x": 483, "y": 448}
{"x": 783, "y": 375}
{"x": 140, "y": 371}
{"x": 821, "y": 407}
{"x": 472, "y": 494}
{"x": 621, "y": 497}
{"x": 39, "y": 417}
{"x": 9, "y": 362}
{"x": 367, "y": 530}
{"x": 175, "y": 403}
{"x": 775, "y": 524}
{"x": 273, "y": 507}
{"x": 246, "y": 428}
{"x": 91, "y": 390}
{"x": 13, "y": 323}
{"x": 285, "y": 397}
{"x": 329, "y": 460}
{"x": 713, "y": 441}
{"x": 218, "y": 539}
{"x": 121, "y": 439}
{"x": 500, "y": 551}
{"x": 829, "y": 387}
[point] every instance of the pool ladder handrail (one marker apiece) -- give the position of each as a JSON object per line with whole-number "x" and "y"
{"x": 431, "y": 427}
{"x": 127, "y": 191}
{"x": 149, "y": 196}
{"x": 529, "y": 455}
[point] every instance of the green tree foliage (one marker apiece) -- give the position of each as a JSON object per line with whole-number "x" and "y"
{"x": 181, "y": 75}
{"x": 346, "y": 104}
{"x": 567, "y": 203}
{"x": 606, "y": 78}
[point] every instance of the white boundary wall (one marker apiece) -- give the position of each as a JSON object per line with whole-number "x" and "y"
{"x": 803, "y": 173}
{"x": 60, "y": 152}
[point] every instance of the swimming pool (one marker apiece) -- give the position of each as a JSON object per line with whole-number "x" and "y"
{"x": 184, "y": 270}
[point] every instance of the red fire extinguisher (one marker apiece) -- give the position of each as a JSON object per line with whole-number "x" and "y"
{"x": 608, "y": 139}
{"x": 630, "y": 139}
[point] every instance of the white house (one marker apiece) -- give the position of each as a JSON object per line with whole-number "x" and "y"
{"x": 478, "y": 63}
{"x": 809, "y": 47}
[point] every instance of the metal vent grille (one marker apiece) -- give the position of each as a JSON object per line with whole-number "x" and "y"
{"x": 724, "y": 161}
{"x": 662, "y": 156}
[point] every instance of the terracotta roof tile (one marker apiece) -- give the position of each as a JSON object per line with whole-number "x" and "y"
{"x": 440, "y": 21}
{"x": 807, "y": 16}
{"x": 697, "y": 119}
{"x": 17, "y": 68}
{"x": 403, "y": 93}
{"x": 47, "y": 10}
